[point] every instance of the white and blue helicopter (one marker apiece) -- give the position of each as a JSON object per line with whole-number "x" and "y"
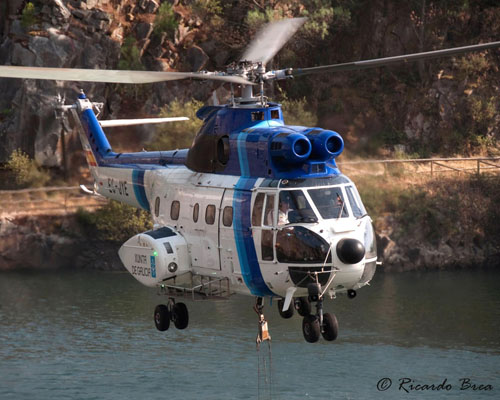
{"x": 254, "y": 207}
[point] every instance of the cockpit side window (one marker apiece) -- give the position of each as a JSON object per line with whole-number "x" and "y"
{"x": 269, "y": 214}
{"x": 356, "y": 206}
{"x": 257, "y": 210}
{"x": 294, "y": 208}
{"x": 329, "y": 202}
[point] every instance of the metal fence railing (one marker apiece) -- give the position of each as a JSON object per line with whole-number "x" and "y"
{"x": 432, "y": 166}
{"x": 47, "y": 200}
{"x": 64, "y": 200}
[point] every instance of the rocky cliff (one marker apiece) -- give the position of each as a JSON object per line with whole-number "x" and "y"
{"x": 443, "y": 106}
{"x": 52, "y": 242}
{"x": 75, "y": 34}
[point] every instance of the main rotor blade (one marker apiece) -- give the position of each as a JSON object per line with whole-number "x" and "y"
{"x": 380, "y": 62}
{"x": 271, "y": 39}
{"x": 112, "y": 76}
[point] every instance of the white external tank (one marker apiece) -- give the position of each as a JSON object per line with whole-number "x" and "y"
{"x": 153, "y": 256}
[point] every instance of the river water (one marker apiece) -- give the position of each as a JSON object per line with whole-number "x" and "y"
{"x": 90, "y": 335}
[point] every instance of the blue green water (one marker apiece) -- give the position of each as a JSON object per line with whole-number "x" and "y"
{"x": 90, "y": 335}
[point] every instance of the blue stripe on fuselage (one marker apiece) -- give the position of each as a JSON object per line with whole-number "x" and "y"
{"x": 140, "y": 193}
{"x": 242, "y": 154}
{"x": 247, "y": 255}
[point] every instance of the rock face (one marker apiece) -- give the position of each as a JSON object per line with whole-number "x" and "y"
{"x": 52, "y": 40}
{"x": 59, "y": 242}
{"x": 76, "y": 34}
{"x": 410, "y": 254}
{"x": 52, "y": 242}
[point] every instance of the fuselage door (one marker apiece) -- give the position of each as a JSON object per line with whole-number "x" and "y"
{"x": 263, "y": 222}
{"x": 227, "y": 246}
{"x": 205, "y": 244}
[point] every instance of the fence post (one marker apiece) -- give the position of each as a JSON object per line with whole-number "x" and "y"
{"x": 432, "y": 168}
{"x": 478, "y": 167}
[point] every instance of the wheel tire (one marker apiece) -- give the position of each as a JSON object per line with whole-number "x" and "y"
{"x": 162, "y": 317}
{"x": 303, "y": 306}
{"x": 180, "y": 315}
{"x": 285, "y": 314}
{"x": 351, "y": 294}
{"x": 330, "y": 327}
{"x": 311, "y": 328}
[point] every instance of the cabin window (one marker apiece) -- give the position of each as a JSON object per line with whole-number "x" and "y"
{"x": 267, "y": 245}
{"x": 157, "y": 207}
{"x": 168, "y": 247}
{"x": 257, "y": 209}
{"x": 223, "y": 150}
{"x": 296, "y": 244}
{"x": 275, "y": 114}
{"x": 269, "y": 211}
{"x": 174, "y": 210}
{"x": 196, "y": 212}
{"x": 258, "y": 116}
{"x": 210, "y": 214}
{"x": 227, "y": 216}
{"x": 329, "y": 202}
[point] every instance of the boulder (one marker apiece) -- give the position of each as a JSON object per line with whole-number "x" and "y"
{"x": 22, "y": 56}
{"x": 148, "y": 6}
{"x": 143, "y": 30}
{"x": 196, "y": 58}
{"x": 60, "y": 11}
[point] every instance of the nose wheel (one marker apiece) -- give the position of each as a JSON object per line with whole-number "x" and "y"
{"x": 324, "y": 324}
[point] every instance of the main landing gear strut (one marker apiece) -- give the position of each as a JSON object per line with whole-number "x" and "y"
{"x": 175, "y": 312}
{"x": 313, "y": 325}
{"x": 322, "y": 323}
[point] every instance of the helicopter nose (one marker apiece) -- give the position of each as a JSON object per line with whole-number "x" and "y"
{"x": 350, "y": 251}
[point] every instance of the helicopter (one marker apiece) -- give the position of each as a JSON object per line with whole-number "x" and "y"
{"x": 253, "y": 207}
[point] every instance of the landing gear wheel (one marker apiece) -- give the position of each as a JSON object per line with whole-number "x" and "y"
{"x": 303, "y": 306}
{"x": 351, "y": 294}
{"x": 330, "y": 327}
{"x": 311, "y": 328}
{"x": 287, "y": 313}
{"x": 180, "y": 315}
{"x": 162, "y": 317}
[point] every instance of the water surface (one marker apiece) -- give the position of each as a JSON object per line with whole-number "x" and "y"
{"x": 90, "y": 335}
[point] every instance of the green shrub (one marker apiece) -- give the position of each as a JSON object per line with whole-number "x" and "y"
{"x": 115, "y": 222}
{"x": 166, "y": 20}
{"x": 28, "y": 15}
{"x": 206, "y": 8}
{"x": 25, "y": 170}
{"x": 130, "y": 55}
{"x": 256, "y": 18}
{"x": 177, "y": 135}
{"x": 297, "y": 111}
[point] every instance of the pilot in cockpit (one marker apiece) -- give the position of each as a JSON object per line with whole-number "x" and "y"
{"x": 283, "y": 209}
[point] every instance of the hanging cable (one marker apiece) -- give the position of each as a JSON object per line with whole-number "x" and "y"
{"x": 264, "y": 364}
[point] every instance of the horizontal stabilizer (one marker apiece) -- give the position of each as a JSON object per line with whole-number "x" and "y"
{"x": 141, "y": 121}
{"x": 85, "y": 189}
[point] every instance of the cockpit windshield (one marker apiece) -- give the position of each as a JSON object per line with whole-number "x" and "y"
{"x": 294, "y": 208}
{"x": 329, "y": 202}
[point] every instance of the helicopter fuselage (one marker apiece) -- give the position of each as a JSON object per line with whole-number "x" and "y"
{"x": 298, "y": 221}
{"x": 231, "y": 228}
